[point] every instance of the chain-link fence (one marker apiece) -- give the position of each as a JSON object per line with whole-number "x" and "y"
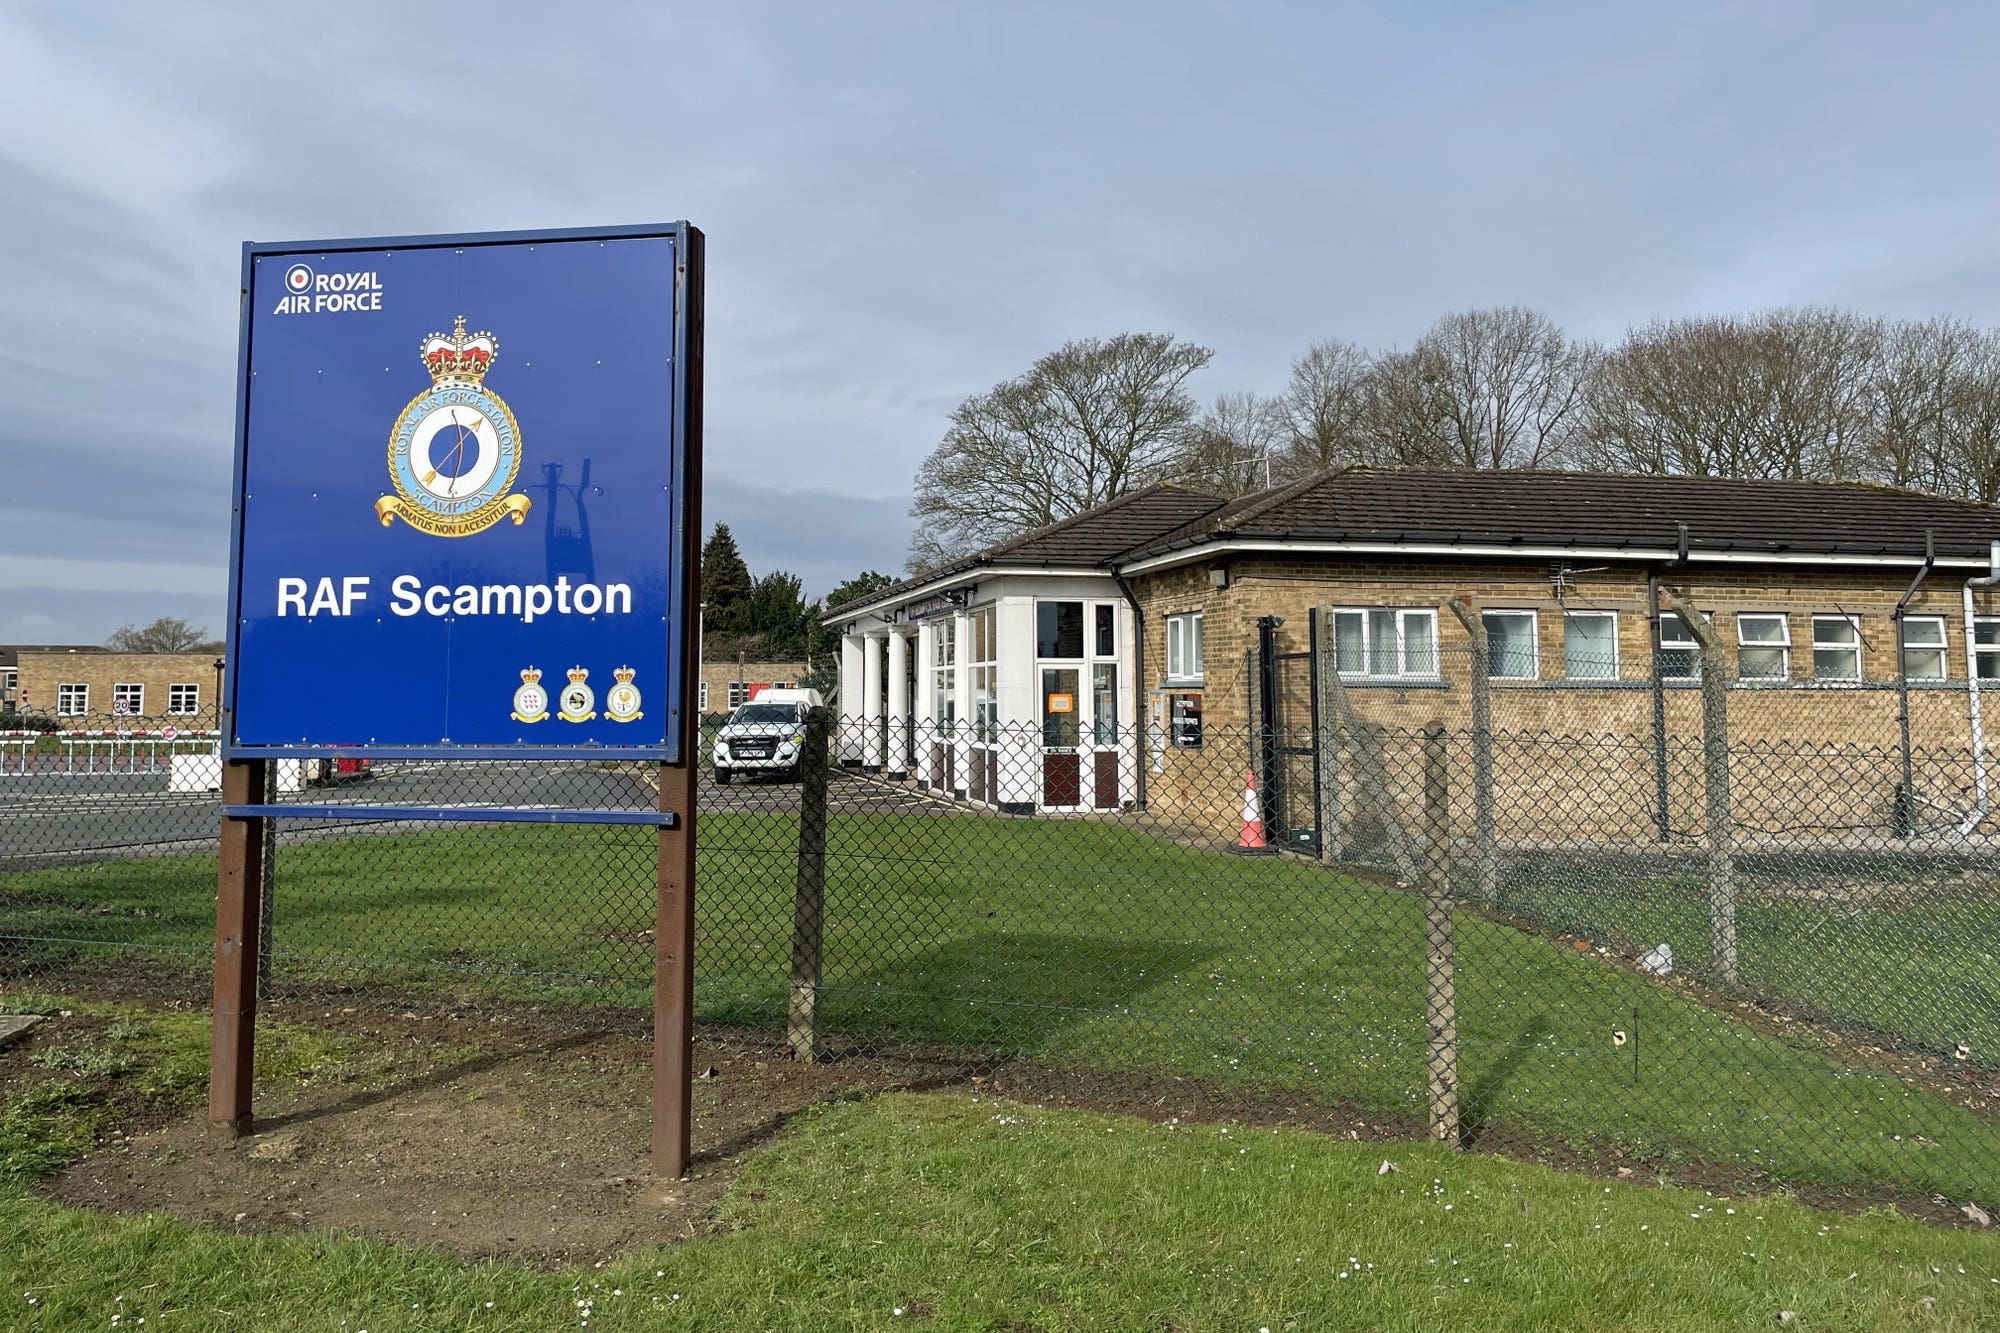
{"x": 1708, "y": 923}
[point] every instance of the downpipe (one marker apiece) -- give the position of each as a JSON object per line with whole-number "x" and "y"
{"x": 1979, "y": 806}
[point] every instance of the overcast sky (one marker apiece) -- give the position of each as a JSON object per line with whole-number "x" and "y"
{"x": 906, "y": 203}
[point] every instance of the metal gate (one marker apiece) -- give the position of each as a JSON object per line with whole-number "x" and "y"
{"x": 1288, "y": 733}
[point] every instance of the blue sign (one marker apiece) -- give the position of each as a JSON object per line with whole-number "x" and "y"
{"x": 462, "y": 494}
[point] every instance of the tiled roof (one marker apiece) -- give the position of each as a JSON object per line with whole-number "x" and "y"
{"x": 1094, "y": 538}
{"x": 1584, "y": 509}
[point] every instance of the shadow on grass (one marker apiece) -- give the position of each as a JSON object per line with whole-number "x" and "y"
{"x": 1008, "y": 992}
{"x": 1478, "y": 1095}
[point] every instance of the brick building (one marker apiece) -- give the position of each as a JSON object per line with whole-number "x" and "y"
{"x": 10, "y": 666}
{"x": 728, "y": 683}
{"x": 1082, "y": 666}
{"x": 95, "y": 690}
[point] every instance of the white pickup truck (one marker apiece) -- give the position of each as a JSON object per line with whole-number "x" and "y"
{"x": 766, "y": 735}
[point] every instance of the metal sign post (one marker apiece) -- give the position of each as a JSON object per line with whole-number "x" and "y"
{"x": 466, "y": 526}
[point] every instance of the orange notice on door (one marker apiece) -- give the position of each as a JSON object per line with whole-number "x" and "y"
{"x": 1062, "y": 703}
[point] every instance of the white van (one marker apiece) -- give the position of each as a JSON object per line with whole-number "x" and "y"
{"x": 766, "y": 735}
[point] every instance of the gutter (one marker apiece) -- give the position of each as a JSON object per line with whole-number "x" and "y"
{"x": 1635, "y": 554}
{"x": 1991, "y": 577}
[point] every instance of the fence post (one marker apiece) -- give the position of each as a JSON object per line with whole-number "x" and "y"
{"x": 1326, "y": 680}
{"x": 1715, "y": 772}
{"x": 267, "y": 881}
{"x": 809, "y": 895}
{"x": 233, "y": 1007}
{"x": 1486, "y": 852}
{"x": 1440, "y": 995}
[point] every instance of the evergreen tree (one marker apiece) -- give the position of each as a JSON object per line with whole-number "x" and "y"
{"x": 778, "y": 615}
{"x": 726, "y": 586}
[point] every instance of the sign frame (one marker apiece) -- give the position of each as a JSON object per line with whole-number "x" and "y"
{"x": 685, "y": 542}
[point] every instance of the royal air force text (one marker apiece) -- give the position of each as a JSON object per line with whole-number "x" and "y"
{"x": 411, "y": 596}
{"x": 334, "y": 293}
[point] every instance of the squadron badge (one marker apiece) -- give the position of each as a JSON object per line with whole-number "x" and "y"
{"x": 455, "y": 450}
{"x": 621, "y": 701}
{"x": 531, "y": 701}
{"x": 578, "y": 700}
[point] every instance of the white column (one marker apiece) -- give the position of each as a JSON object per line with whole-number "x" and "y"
{"x": 847, "y": 726}
{"x": 926, "y": 701}
{"x": 871, "y": 703}
{"x": 899, "y": 703}
{"x": 961, "y": 693}
{"x": 1020, "y": 705}
{"x": 1131, "y": 702}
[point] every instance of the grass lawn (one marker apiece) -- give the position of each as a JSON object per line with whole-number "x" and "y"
{"x": 1078, "y": 942}
{"x": 949, "y": 1212}
{"x": 1925, "y": 968}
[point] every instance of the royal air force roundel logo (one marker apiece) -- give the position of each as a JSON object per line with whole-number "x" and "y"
{"x": 455, "y": 450}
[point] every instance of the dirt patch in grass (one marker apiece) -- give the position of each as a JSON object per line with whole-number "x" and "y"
{"x": 489, "y": 1141}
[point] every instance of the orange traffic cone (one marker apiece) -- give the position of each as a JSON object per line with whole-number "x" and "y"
{"x": 1252, "y": 837}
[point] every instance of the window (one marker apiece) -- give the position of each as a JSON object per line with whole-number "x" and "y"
{"x": 128, "y": 700}
{"x": 1836, "y": 648}
{"x": 1059, "y": 629}
{"x": 10, "y": 680}
{"x": 1680, "y": 654}
{"x": 72, "y": 700}
{"x": 701, "y": 704}
{"x": 1107, "y": 636}
{"x": 985, "y": 675}
{"x": 1923, "y": 647}
{"x": 1510, "y": 645}
{"x": 739, "y": 694}
{"x": 1184, "y": 647}
{"x": 1384, "y": 642}
{"x": 1590, "y": 645}
{"x": 1763, "y": 646}
{"x": 944, "y": 672}
{"x": 183, "y": 700}
{"x": 1986, "y": 647}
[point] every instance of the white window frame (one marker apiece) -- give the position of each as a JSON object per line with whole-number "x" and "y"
{"x": 132, "y": 690}
{"x": 1684, "y": 641}
{"x": 1941, "y": 647}
{"x": 701, "y": 704}
{"x": 10, "y": 680}
{"x": 1830, "y": 618}
{"x": 1985, "y": 650}
{"x": 1404, "y": 615}
{"x": 1184, "y": 648}
{"x": 183, "y": 699}
{"x": 1611, "y": 672}
{"x": 1783, "y": 645}
{"x": 738, "y": 694}
{"x": 72, "y": 699}
{"x": 1534, "y": 671}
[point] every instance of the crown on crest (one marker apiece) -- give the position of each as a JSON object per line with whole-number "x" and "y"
{"x": 459, "y": 357}
{"x": 578, "y": 674}
{"x": 624, "y": 673}
{"x": 531, "y": 674}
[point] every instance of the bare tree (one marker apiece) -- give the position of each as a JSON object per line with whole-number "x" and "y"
{"x": 168, "y": 634}
{"x": 1508, "y": 386}
{"x": 1324, "y": 410}
{"x": 1235, "y": 448}
{"x": 1087, "y": 423}
{"x": 1937, "y": 400}
{"x": 1787, "y": 393}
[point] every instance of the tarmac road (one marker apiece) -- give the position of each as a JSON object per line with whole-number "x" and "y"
{"x": 55, "y": 818}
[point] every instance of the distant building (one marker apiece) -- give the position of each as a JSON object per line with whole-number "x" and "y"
{"x": 724, "y": 685}
{"x": 10, "y": 666}
{"x": 87, "y": 689}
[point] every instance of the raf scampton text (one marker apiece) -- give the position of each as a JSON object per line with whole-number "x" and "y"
{"x": 411, "y": 596}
